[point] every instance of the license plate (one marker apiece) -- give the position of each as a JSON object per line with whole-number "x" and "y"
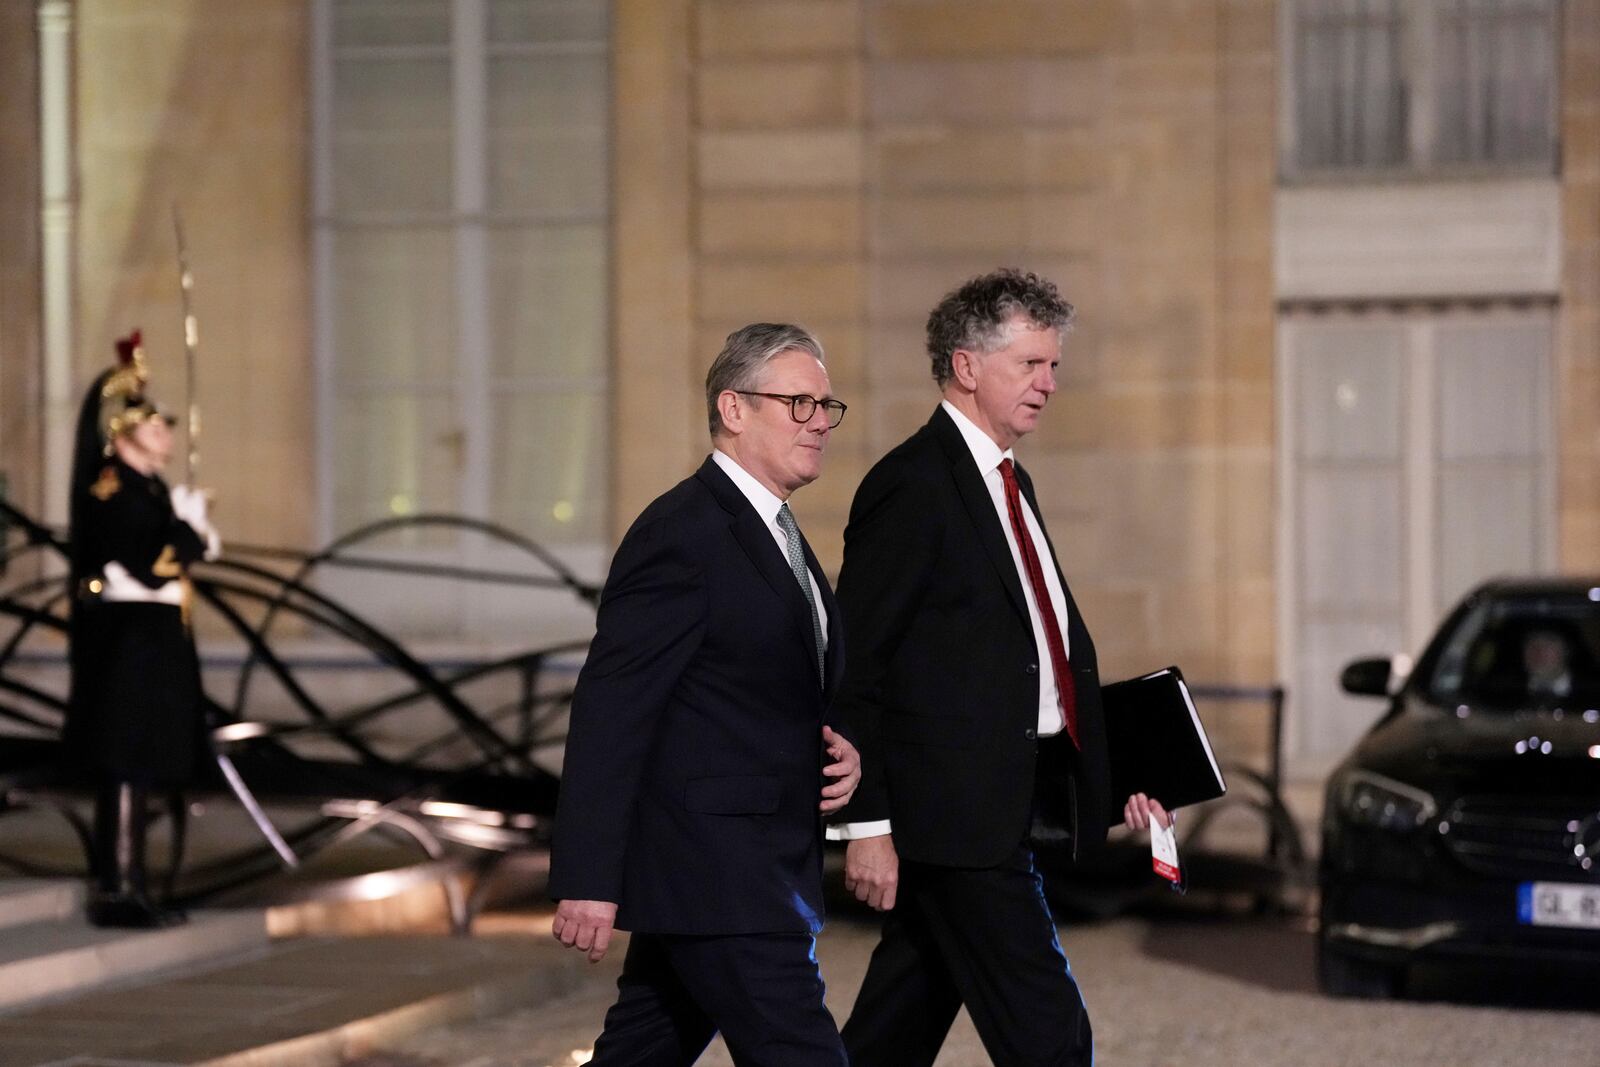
{"x": 1559, "y": 904}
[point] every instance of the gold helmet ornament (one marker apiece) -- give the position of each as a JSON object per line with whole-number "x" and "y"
{"x": 123, "y": 403}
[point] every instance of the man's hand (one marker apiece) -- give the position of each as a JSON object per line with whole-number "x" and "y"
{"x": 1140, "y": 811}
{"x": 846, "y": 768}
{"x": 585, "y": 925}
{"x": 872, "y": 870}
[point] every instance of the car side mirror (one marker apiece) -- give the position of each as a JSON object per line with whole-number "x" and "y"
{"x": 1367, "y": 677}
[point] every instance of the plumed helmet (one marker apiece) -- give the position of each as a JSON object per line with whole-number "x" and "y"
{"x": 123, "y": 401}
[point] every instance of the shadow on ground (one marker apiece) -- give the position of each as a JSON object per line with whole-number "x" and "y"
{"x": 1269, "y": 954}
{"x": 1280, "y": 956}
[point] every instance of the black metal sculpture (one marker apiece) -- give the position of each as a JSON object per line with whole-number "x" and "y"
{"x": 463, "y": 782}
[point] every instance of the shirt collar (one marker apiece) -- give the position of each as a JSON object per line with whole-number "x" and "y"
{"x": 760, "y": 496}
{"x": 984, "y": 451}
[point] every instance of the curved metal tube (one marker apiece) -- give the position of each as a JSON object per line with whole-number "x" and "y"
{"x": 227, "y": 586}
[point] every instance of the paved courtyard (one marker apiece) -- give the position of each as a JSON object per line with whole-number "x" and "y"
{"x": 1236, "y": 993}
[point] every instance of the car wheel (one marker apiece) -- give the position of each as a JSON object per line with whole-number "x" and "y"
{"x": 1343, "y": 975}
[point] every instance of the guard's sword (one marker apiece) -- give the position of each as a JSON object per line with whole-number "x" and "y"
{"x": 241, "y": 731}
{"x": 191, "y": 343}
{"x": 191, "y": 464}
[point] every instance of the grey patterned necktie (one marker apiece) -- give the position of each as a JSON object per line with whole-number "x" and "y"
{"x": 802, "y": 574}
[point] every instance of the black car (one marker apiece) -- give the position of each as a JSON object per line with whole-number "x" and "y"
{"x": 1467, "y": 821}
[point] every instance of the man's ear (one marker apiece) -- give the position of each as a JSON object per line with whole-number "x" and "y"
{"x": 730, "y": 407}
{"x": 964, "y": 368}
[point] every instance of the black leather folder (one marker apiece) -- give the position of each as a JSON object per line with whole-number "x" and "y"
{"x": 1158, "y": 745}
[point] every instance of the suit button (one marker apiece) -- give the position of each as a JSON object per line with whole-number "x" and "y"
{"x": 1032, "y": 668}
{"x": 1029, "y": 733}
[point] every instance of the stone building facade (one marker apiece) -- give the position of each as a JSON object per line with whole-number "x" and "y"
{"x": 841, "y": 163}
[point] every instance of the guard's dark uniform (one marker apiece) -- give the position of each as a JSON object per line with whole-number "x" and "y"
{"x": 135, "y": 714}
{"x": 135, "y": 711}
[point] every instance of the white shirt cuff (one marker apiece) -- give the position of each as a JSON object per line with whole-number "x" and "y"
{"x": 855, "y": 831}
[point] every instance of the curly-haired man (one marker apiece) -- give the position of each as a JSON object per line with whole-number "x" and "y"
{"x": 975, "y": 702}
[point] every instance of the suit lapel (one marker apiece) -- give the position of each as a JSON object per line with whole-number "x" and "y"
{"x": 980, "y": 507}
{"x": 759, "y": 544}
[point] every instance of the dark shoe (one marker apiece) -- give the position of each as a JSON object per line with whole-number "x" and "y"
{"x": 133, "y": 912}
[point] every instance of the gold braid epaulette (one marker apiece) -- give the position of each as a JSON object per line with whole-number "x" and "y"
{"x": 108, "y": 485}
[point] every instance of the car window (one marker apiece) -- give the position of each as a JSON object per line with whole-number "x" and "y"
{"x": 1533, "y": 651}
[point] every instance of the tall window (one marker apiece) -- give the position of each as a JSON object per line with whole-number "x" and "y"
{"x": 1419, "y": 462}
{"x": 1421, "y": 85}
{"x": 460, "y": 198}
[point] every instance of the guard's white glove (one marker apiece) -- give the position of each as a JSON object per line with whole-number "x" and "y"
{"x": 190, "y": 505}
{"x": 193, "y": 506}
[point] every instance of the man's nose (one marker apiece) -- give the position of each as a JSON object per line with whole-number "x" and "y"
{"x": 1045, "y": 380}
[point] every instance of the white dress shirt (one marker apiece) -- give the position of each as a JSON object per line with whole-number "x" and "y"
{"x": 766, "y": 504}
{"x": 987, "y": 455}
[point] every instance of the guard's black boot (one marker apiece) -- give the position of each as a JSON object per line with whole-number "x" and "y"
{"x": 120, "y": 898}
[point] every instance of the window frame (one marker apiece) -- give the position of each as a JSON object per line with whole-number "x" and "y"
{"x": 471, "y": 221}
{"x": 1420, "y": 462}
{"x": 1418, "y": 49}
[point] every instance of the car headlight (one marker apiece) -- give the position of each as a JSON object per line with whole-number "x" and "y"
{"x": 1372, "y": 800}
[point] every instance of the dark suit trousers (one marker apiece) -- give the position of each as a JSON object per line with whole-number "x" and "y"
{"x": 762, "y": 991}
{"x": 983, "y": 938}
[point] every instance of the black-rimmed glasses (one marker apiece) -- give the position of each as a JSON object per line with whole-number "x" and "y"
{"x": 803, "y": 405}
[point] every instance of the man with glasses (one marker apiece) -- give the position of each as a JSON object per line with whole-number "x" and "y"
{"x": 689, "y": 810}
{"x": 974, "y": 697}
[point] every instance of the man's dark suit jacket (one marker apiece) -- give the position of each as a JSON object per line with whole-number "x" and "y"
{"x": 693, "y": 764}
{"x": 942, "y": 696}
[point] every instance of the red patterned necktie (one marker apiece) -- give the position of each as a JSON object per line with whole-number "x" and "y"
{"x": 1065, "y": 689}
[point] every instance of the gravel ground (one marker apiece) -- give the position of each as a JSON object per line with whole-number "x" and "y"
{"x": 1220, "y": 993}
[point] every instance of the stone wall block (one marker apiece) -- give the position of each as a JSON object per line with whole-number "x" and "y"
{"x": 1161, "y": 515}
{"x": 1069, "y": 223}
{"x": 1164, "y": 86}
{"x": 1246, "y": 345}
{"x": 780, "y": 223}
{"x": 805, "y": 291}
{"x": 896, "y": 356}
{"x": 773, "y": 94}
{"x": 1249, "y": 26}
{"x": 1112, "y": 610}
{"x": 950, "y": 223}
{"x": 1249, "y": 516}
{"x": 1167, "y": 29}
{"x": 995, "y": 27}
{"x": 784, "y": 28}
{"x": 790, "y": 159}
{"x": 974, "y": 91}
{"x": 1248, "y": 415}
{"x": 904, "y": 289}
{"x": 1072, "y": 421}
{"x": 933, "y": 158}
{"x": 1158, "y": 417}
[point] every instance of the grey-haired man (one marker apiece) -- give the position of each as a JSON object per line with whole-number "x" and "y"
{"x": 689, "y": 810}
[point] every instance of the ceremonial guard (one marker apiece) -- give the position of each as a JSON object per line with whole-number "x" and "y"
{"x": 135, "y": 715}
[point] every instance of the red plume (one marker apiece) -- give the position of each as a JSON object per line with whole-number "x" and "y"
{"x": 125, "y": 347}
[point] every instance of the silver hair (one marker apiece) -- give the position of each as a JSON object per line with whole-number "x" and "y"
{"x": 745, "y": 355}
{"x": 977, "y": 316}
